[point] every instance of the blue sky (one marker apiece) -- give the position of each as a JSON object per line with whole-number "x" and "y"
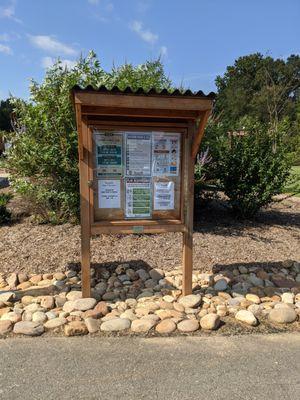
{"x": 197, "y": 39}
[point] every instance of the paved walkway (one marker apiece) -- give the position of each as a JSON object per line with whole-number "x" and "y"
{"x": 241, "y": 367}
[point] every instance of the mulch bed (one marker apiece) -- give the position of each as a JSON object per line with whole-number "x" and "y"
{"x": 219, "y": 241}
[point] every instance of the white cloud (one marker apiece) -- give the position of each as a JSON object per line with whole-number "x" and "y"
{"x": 144, "y": 34}
{"x": 9, "y": 11}
{"x": 47, "y": 62}
{"x": 48, "y": 43}
{"x": 163, "y": 51}
{"x": 93, "y": 2}
{"x": 5, "y": 49}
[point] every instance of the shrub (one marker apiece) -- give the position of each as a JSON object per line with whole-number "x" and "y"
{"x": 253, "y": 168}
{"x": 43, "y": 159}
{"x": 5, "y": 214}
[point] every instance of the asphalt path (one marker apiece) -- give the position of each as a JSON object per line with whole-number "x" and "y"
{"x": 236, "y": 367}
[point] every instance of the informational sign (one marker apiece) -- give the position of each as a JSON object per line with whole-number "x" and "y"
{"x": 109, "y": 193}
{"x": 109, "y": 154}
{"x": 164, "y": 195}
{"x": 166, "y": 154}
{"x": 138, "y": 154}
{"x": 138, "y": 198}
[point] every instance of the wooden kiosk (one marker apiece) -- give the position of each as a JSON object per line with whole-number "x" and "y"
{"x": 137, "y": 153}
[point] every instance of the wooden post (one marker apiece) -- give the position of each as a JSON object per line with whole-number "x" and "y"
{"x": 187, "y": 256}
{"x": 84, "y": 204}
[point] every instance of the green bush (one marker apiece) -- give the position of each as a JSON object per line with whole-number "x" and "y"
{"x": 43, "y": 159}
{"x": 5, "y": 214}
{"x": 253, "y": 168}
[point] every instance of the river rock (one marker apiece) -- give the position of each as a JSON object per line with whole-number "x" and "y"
{"x": 47, "y": 302}
{"x": 39, "y": 316}
{"x": 69, "y": 306}
{"x": 92, "y": 325}
{"x": 253, "y": 298}
{"x": 5, "y": 327}
{"x": 247, "y": 317}
{"x": 7, "y": 296}
{"x": 12, "y": 316}
{"x": 190, "y": 301}
{"x": 210, "y": 321}
{"x": 115, "y": 325}
{"x": 28, "y": 328}
{"x": 156, "y": 274}
{"x": 85, "y": 304}
{"x": 55, "y": 323}
{"x": 221, "y": 285}
{"x": 288, "y": 298}
{"x": 75, "y": 328}
{"x": 284, "y": 315}
{"x": 188, "y": 325}
{"x": 74, "y": 295}
{"x": 12, "y": 280}
{"x": 166, "y": 326}
{"x": 142, "y": 325}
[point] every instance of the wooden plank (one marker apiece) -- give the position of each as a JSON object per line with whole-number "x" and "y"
{"x": 139, "y": 222}
{"x": 136, "y": 101}
{"x": 85, "y": 215}
{"x": 137, "y": 229}
{"x": 79, "y": 130}
{"x": 135, "y": 123}
{"x": 199, "y": 134}
{"x": 139, "y": 112}
{"x": 187, "y": 252}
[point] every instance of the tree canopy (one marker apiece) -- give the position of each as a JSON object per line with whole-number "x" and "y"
{"x": 43, "y": 160}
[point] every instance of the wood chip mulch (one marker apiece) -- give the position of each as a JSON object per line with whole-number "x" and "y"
{"x": 220, "y": 241}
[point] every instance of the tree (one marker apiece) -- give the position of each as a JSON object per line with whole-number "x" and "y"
{"x": 43, "y": 160}
{"x": 5, "y": 121}
{"x": 259, "y": 87}
{"x": 253, "y": 167}
{"x": 5, "y": 115}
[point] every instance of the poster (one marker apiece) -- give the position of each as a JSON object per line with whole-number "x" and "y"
{"x": 138, "y": 198}
{"x": 164, "y": 195}
{"x": 166, "y": 154}
{"x": 138, "y": 154}
{"x": 108, "y": 154}
{"x": 109, "y": 193}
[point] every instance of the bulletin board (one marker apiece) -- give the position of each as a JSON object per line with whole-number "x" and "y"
{"x": 136, "y": 174}
{"x": 137, "y": 153}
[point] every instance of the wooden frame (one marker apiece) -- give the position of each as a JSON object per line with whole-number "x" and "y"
{"x": 117, "y": 110}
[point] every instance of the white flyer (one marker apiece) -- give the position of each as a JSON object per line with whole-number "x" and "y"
{"x": 109, "y": 193}
{"x": 138, "y": 198}
{"x": 166, "y": 154}
{"x": 164, "y": 195}
{"x": 138, "y": 154}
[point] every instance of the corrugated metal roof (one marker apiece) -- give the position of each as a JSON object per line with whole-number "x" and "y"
{"x": 141, "y": 91}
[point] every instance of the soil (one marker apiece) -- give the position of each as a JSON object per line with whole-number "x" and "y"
{"x": 220, "y": 241}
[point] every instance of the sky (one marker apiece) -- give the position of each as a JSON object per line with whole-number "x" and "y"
{"x": 196, "y": 39}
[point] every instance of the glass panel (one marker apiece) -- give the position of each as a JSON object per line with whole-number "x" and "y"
{"x": 137, "y": 175}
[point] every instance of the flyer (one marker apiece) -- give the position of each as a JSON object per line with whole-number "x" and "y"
{"x": 164, "y": 195}
{"x": 138, "y": 154}
{"x": 166, "y": 151}
{"x": 138, "y": 198}
{"x": 109, "y": 193}
{"x": 108, "y": 153}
